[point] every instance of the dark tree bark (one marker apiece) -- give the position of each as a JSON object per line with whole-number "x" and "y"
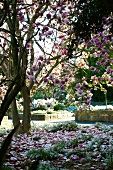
{"x": 10, "y": 95}
{"x": 26, "y": 109}
{"x": 15, "y": 115}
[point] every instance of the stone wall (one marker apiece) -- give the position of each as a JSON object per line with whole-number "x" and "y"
{"x": 5, "y": 122}
{"x": 94, "y": 116}
{"x": 47, "y": 116}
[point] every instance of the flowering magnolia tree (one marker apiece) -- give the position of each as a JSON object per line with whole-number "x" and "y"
{"x": 35, "y": 38}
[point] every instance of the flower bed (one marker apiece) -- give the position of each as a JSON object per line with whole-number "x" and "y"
{"x": 94, "y": 116}
{"x": 64, "y": 146}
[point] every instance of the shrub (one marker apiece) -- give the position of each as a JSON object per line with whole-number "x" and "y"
{"x": 40, "y": 107}
{"x": 73, "y": 142}
{"x": 47, "y": 167}
{"x": 42, "y": 154}
{"x": 71, "y": 108}
{"x": 38, "y": 96}
{"x": 58, "y": 106}
{"x": 49, "y": 112}
{"x": 69, "y": 126}
{"x": 60, "y": 147}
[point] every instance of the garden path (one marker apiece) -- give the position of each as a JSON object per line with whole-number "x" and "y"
{"x": 35, "y": 124}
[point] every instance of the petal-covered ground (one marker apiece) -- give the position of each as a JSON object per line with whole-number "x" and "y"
{"x": 68, "y": 146}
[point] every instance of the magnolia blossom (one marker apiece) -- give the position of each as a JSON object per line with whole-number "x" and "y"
{"x": 80, "y": 63}
{"x": 79, "y": 86}
{"x": 31, "y": 78}
{"x": 92, "y": 68}
{"x": 108, "y": 69}
{"x": 51, "y": 76}
{"x": 34, "y": 68}
{"x": 56, "y": 81}
{"x": 63, "y": 87}
{"x": 106, "y": 77}
{"x": 88, "y": 99}
{"x": 45, "y": 80}
{"x": 93, "y": 77}
{"x": 41, "y": 58}
{"x": 85, "y": 82}
{"x": 80, "y": 92}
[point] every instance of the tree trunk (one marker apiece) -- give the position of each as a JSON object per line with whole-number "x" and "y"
{"x": 10, "y": 95}
{"x": 26, "y": 109}
{"x": 15, "y": 115}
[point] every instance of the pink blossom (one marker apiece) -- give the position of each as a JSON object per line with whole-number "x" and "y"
{"x": 79, "y": 92}
{"x": 34, "y": 68}
{"x": 49, "y": 33}
{"x": 24, "y": 26}
{"x": 63, "y": 87}
{"x": 88, "y": 99}
{"x": 99, "y": 78}
{"x": 31, "y": 78}
{"x": 40, "y": 38}
{"x": 28, "y": 45}
{"x": 92, "y": 68}
{"x": 41, "y": 58}
{"x": 47, "y": 1}
{"x": 45, "y": 29}
{"x": 37, "y": 23}
{"x": 64, "y": 52}
{"x": 75, "y": 157}
{"x": 108, "y": 69}
{"x": 93, "y": 77}
{"x": 34, "y": 25}
{"x": 48, "y": 16}
{"x": 51, "y": 76}
{"x": 39, "y": 63}
{"x": 63, "y": 38}
{"x": 62, "y": 82}
{"x": 56, "y": 81}
{"x": 48, "y": 105}
{"x": 54, "y": 90}
{"x": 45, "y": 80}
{"x": 98, "y": 63}
{"x": 78, "y": 85}
{"x": 82, "y": 159}
{"x": 53, "y": 7}
{"x": 41, "y": 13}
{"x": 66, "y": 79}
{"x": 4, "y": 44}
{"x": 28, "y": 72}
{"x": 48, "y": 62}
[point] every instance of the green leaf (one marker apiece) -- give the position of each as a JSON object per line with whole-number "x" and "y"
{"x": 90, "y": 85}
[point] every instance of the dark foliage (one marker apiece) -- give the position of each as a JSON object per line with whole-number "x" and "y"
{"x": 92, "y": 15}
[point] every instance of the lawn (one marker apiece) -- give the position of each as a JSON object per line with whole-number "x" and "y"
{"x": 65, "y": 146}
